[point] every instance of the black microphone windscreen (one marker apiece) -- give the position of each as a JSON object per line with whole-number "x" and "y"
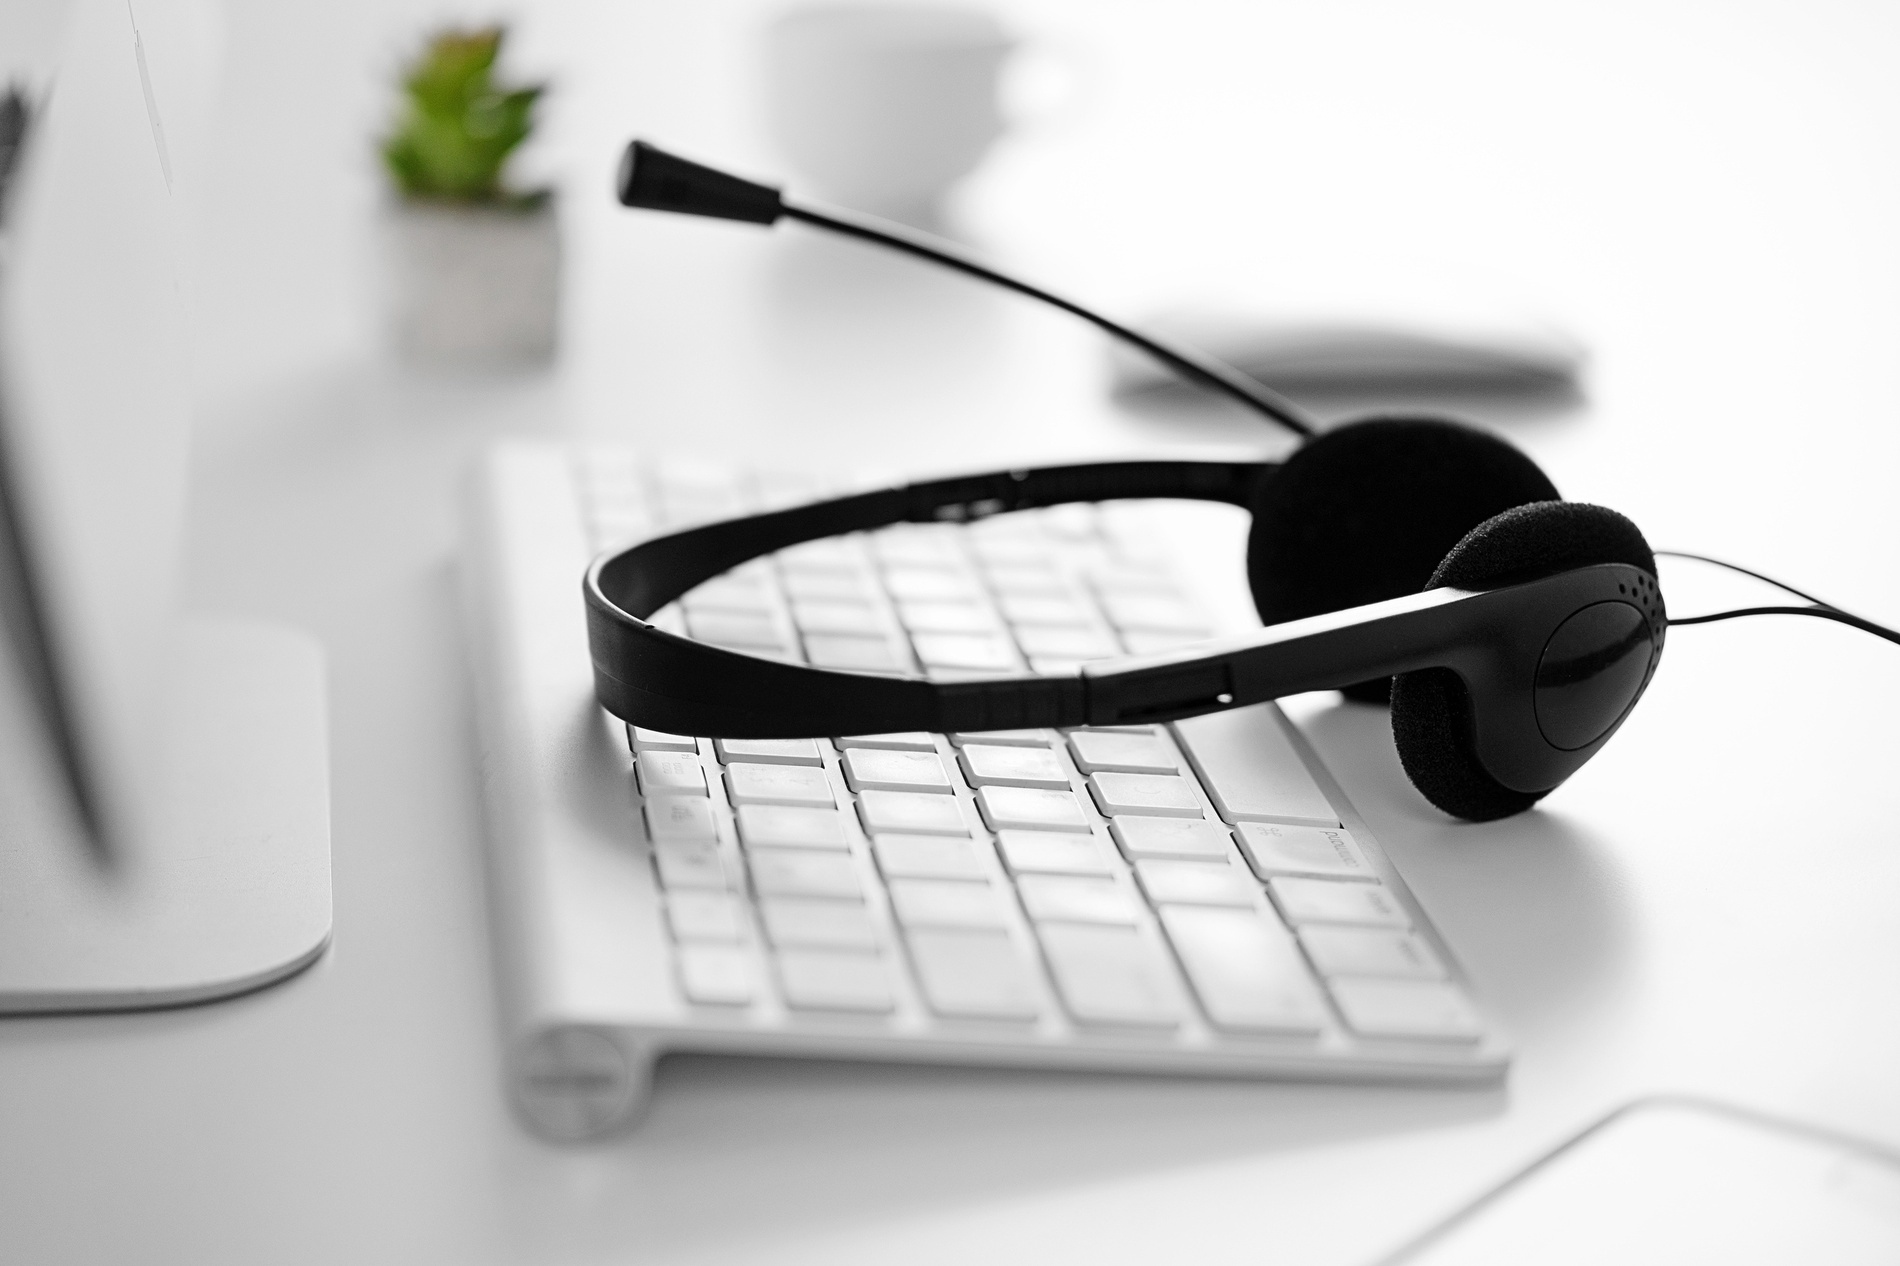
{"x": 658, "y": 181}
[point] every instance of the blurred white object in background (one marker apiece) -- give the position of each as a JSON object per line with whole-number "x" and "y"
{"x": 885, "y": 108}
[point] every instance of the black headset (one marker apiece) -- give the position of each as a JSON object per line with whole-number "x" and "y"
{"x": 1413, "y": 559}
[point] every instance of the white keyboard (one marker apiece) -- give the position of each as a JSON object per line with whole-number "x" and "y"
{"x": 1194, "y": 897}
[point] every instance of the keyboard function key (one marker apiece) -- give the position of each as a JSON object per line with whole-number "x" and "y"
{"x": 1003, "y": 738}
{"x": 690, "y": 864}
{"x": 1110, "y": 975}
{"x": 973, "y": 974}
{"x": 1147, "y": 795}
{"x": 1077, "y": 899}
{"x": 778, "y": 784}
{"x": 1245, "y": 968}
{"x": 911, "y": 813}
{"x": 850, "y": 618}
{"x": 715, "y": 975}
{"x": 946, "y": 903}
{"x": 907, "y": 583}
{"x": 927, "y": 857}
{"x": 945, "y": 617}
{"x": 870, "y": 769}
{"x": 1337, "y": 901}
{"x": 681, "y": 818}
{"x": 1045, "y": 852}
{"x": 798, "y": 922}
{"x": 1058, "y": 642}
{"x": 974, "y": 652}
{"x": 1278, "y": 849}
{"x": 1195, "y": 883}
{"x": 670, "y": 773}
{"x": 645, "y": 740}
{"x": 988, "y": 765}
{"x": 1428, "y": 1009}
{"x": 1350, "y": 951}
{"x": 769, "y": 751}
{"x": 786, "y": 826}
{"x": 1032, "y": 808}
{"x": 703, "y": 916}
{"x": 797, "y": 872}
{"x": 916, "y": 741}
{"x": 829, "y": 980}
{"x": 1171, "y": 837}
{"x": 1102, "y": 752}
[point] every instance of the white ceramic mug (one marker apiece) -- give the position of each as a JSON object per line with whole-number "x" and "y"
{"x": 885, "y": 107}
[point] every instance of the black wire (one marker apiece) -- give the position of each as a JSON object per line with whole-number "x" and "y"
{"x": 1769, "y": 580}
{"x": 1187, "y": 361}
{"x": 1823, "y": 613}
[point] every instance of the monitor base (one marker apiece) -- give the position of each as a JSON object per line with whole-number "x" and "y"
{"x": 239, "y": 898}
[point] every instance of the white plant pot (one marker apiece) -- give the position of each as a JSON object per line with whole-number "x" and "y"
{"x": 474, "y": 285}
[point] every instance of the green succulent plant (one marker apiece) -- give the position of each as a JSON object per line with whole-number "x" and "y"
{"x": 457, "y": 127}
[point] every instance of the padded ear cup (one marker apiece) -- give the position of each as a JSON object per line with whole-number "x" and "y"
{"x": 1366, "y": 511}
{"x": 1431, "y": 709}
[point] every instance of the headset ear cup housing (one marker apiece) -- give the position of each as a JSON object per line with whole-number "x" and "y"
{"x": 1433, "y": 720}
{"x": 1366, "y": 511}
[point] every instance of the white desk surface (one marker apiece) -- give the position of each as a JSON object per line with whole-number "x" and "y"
{"x": 1707, "y": 194}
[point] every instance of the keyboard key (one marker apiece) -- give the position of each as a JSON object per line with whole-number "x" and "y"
{"x": 715, "y": 975}
{"x": 1129, "y": 578}
{"x": 927, "y": 857}
{"x": 1110, "y": 975}
{"x": 1348, "y": 951}
{"x": 690, "y": 864}
{"x": 681, "y": 818}
{"x": 870, "y": 769}
{"x": 784, "y": 826}
{"x": 1245, "y": 968}
{"x": 1030, "y": 807}
{"x": 924, "y": 546}
{"x": 703, "y": 916}
{"x": 1278, "y": 849}
{"x": 828, "y": 980}
{"x": 741, "y": 631}
{"x": 1029, "y": 578}
{"x": 1251, "y": 771}
{"x": 987, "y": 765}
{"x": 946, "y": 903}
{"x": 911, "y": 813}
{"x": 828, "y": 585}
{"x": 1054, "y": 666}
{"x": 1044, "y": 852}
{"x": 1194, "y": 883}
{"x": 910, "y": 584}
{"x": 747, "y": 594}
{"x": 797, "y": 872}
{"x": 1170, "y": 837}
{"x": 912, "y": 742}
{"x": 1332, "y": 901}
{"x": 1075, "y": 899}
{"x": 1098, "y": 752}
{"x": 645, "y": 740}
{"x": 676, "y": 773}
{"x": 945, "y": 617}
{"x": 1042, "y": 609}
{"x": 976, "y": 974}
{"x": 855, "y": 654}
{"x": 853, "y": 618}
{"x": 1070, "y": 643}
{"x": 796, "y": 922}
{"x": 1153, "y": 612}
{"x": 1152, "y": 795}
{"x": 769, "y": 751}
{"x": 971, "y": 651}
{"x": 1407, "y": 1008}
{"x": 778, "y": 784}
{"x": 826, "y": 553}
{"x": 1004, "y": 738}
{"x": 1148, "y": 642}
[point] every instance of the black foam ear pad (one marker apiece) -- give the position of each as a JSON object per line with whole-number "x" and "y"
{"x": 1366, "y": 511}
{"x": 1431, "y": 709}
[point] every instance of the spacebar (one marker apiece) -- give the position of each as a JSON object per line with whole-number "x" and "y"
{"x": 1250, "y": 768}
